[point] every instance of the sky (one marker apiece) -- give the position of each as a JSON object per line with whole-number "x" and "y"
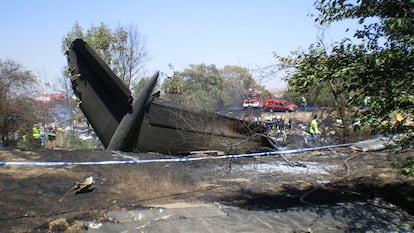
{"x": 221, "y": 32}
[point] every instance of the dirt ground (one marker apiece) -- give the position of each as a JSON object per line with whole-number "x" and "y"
{"x": 32, "y": 197}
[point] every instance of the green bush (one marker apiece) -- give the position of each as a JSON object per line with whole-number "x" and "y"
{"x": 406, "y": 166}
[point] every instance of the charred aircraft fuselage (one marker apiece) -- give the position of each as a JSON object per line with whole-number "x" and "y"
{"x": 149, "y": 123}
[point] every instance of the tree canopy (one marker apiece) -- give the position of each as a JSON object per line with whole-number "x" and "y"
{"x": 123, "y": 49}
{"x": 206, "y": 87}
{"x": 238, "y": 80}
{"x": 378, "y": 62}
{"x": 203, "y": 87}
{"x": 17, "y": 108}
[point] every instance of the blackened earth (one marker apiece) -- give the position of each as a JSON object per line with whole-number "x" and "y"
{"x": 34, "y": 196}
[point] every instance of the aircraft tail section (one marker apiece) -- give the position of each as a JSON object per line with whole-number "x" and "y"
{"x": 104, "y": 99}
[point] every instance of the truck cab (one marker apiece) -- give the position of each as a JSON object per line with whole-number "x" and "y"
{"x": 252, "y": 99}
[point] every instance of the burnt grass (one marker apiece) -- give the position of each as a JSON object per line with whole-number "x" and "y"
{"x": 32, "y": 197}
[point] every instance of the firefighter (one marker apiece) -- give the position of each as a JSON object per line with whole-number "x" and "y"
{"x": 36, "y": 133}
{"x": 366, "y": 102}
{"x": 313, "y": 128}
{"x": 304, "y": 103}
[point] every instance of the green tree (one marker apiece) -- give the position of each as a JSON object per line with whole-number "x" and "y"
{"x": 379, "y": 64}
{"x": 382, "y": 65}
{"x": 141, "y": 83}
{"x": 322, "y": 76}
{"x": 173, "y": 85}
{"x": 238, "y": 80}
{"x": 123, "y": 49}
{"x": 130, "y": 54}
{"x": 203, "y": 89}
{"x": 101, "y": 39}
{"x": 18, "y": 111}
{"x": 75, "y": 33}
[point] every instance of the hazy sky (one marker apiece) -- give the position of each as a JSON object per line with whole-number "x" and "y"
{"x": 221, "y": 32}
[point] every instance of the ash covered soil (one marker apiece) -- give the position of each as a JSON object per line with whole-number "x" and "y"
{"x": 34, "y": 196}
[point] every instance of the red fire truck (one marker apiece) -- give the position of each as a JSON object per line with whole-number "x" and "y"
{"x": 252, "y": 99}
{"x": 49, "y": 98}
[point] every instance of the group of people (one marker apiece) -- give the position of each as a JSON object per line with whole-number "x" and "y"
{"x": 40, "y": 138}
{"x": 278, "y": 123}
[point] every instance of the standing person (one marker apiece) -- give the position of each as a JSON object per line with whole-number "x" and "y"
{"x": 36, "y": 134}
{"x": 313, "y": 128}
{"x": 304, "y": 103}
{"x": 366, "y": 102}
{"x": 42, "y": 136}
{"x": 51, "y": 136}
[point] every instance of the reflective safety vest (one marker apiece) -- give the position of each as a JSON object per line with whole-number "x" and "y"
{"x": 36, "y": 132}
{"x": 313, "y": 126}
{"x": 303, "y": 100}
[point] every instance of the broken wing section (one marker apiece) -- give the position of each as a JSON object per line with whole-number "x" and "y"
{"x": 169, "y": 129}
{"x": 104, "y": 99}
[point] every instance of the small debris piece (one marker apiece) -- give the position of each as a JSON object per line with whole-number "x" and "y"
{"x": 208, "y": 152}
{"x": 372, "y": 144}
{"x": 309, "y": 230}
{"x": 58, "y": 225}
{"x": 85, "y": 186}
{"x": 77, "y": 227}
{"x": 95, "y": 225}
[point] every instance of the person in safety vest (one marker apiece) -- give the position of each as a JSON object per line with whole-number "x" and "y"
{"x": 304, "y": 103}
{"x": 36, "y": 133}
{"x": 313, "y": 128}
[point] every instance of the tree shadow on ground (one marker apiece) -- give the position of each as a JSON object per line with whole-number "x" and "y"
{"x": 400, "y": 195}
{"x": 361, "y": 209}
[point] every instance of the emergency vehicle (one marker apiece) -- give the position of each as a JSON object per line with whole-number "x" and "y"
{"x": 252, "y": 99}
{"x": 279, "y": 105}
{"x": 49, "y": 98}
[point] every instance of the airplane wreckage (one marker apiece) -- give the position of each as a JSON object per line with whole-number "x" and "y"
{"x": 149, "y": 123}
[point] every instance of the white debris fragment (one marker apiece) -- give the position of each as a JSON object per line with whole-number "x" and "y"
{"x": 305, "y": 168}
